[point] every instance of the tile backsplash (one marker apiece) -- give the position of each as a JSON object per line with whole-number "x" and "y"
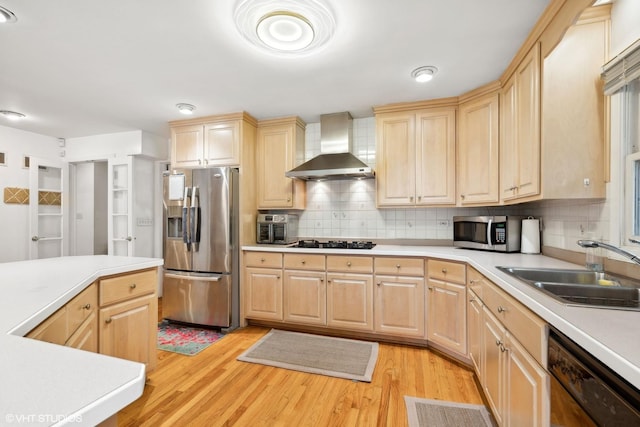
{"x": 346, "y": 209}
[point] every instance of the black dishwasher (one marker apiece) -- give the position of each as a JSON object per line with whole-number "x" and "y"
{"x": 584, "y": 389}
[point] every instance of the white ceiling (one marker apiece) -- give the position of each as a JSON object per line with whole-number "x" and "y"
{"x": 86, "y": 67}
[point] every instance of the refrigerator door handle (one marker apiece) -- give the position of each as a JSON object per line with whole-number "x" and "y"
{"x": 198, "y": 278}
{"x": 194, "y": 220}
{"x": 186, "y": 237}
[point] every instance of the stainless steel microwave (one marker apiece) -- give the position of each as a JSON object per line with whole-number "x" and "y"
{"x": 492, "y": 233}
{"x": 277, "y": 229}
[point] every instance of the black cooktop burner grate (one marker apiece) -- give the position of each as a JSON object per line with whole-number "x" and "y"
{"x": 335, "y": 244}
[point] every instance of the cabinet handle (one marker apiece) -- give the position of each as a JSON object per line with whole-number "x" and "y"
{"x": 129, "y": 238}
{"x": 411, "y": 198}
{"x": 262, "y": 259}
{"x": 462, "y": 196}
{"x": 501, "y": 309}
{"x": 498, "y": 343}
{"x": 430, "y": 288}
{"x": 277, "y": 277}
{"x": 398, "y": 266}
{"x": 419, "y": 198}
{"x": 303, "y": 262}
{"x": 206, "y": 161}
{"x": 328, "y": 280}
{"x": 379, "y": 283}
{"x": 472, "y": 281}
{"x": 288, "y": 198}
{"x": 199, "y": 161}
{"x": 132, "y": 286}
{"x": 87, "y": 306}
{"x": 321, "y": 280}
{"x": 348, "y": 263}
{"x": 108, "y": 320}
{"x": 502, "y": 348}
{"x": 444, "y": 270}
{"x": 472, "y": 299}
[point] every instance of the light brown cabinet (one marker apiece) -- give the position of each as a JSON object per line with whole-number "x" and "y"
{"x": 74, "y": 325}
{"x": 128, "y": 316}
{"x": 447, "y": 305}
{"x": 350, "y": 292}
{"x": 399, "y": 296}
{"x": 416, "y": 161}
{"x": 263, "y": 285}
{"x": 520, "y": 130}
{"x": 280, "y": 147}
{"x": 215, "y": 142}
{"x": 478, "y": 161}
{"x": 475, "y": 333}
{"x": 305, "y": 289}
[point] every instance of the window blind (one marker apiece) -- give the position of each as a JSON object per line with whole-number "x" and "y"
{"x": 622, "y": 69}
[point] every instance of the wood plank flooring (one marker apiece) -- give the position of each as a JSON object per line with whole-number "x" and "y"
{"x": 212, "y": 388}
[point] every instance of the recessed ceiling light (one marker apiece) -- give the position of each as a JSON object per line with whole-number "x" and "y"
{"x": 186, "y": 108}
{"x": 424, "y": 74}
{"x": 6, "y": 16}
{"x": 285, "y": 27}
{"x": 12, "y": 115}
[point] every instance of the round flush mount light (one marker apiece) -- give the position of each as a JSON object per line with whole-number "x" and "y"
{"x": 285, "y": 27}
{"x": 12, "y": 115}
{"x": 186, "y": 109}
{"x": 6, "y": 16}
{"x": 424, "y": 74}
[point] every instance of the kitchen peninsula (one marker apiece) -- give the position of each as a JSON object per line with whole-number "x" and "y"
{"x": 48, "y": 384}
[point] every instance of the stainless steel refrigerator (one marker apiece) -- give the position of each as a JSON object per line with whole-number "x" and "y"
{"x": 201, "y": 247}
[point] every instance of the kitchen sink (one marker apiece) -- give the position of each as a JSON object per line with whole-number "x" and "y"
{"x": 581, "y": 287}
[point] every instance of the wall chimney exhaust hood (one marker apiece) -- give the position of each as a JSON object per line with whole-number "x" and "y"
{"x": 335, "y": 160}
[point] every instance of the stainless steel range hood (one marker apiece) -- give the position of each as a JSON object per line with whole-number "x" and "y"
{"x": 336, "y": 160}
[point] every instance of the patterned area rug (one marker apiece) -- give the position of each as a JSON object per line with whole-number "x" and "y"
{"x": 427, "y": 412}
{"x": 184, "y": 339}
{"x": 316, "y": 354}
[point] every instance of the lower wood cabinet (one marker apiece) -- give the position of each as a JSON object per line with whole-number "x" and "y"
{"x": 305, "y": 297}
{"x": 128, "y": 316}
{"x": 263, "y": 285}
{"x": 350, "y": 301}
{"x": 86, "y": 336}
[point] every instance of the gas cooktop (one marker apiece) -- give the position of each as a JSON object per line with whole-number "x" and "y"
{"x": 334, "y": 244}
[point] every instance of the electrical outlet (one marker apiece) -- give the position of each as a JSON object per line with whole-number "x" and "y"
{"x": 443, "y": 223}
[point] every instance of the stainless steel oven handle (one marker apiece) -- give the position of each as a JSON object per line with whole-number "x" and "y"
{"x": 489, "y": 242}
{"x": 199, "y": 278}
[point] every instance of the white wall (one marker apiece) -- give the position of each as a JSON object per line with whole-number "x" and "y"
{"x": 105, "y": 146}
{"x": 14, "y": 219}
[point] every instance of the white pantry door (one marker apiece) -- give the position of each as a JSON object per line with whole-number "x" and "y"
{"x": 48, "y": 208}
{"x": 120, "y": 206}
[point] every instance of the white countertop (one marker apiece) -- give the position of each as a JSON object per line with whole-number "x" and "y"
{"x": 613, "y": 336}
{"x": 48, "y": 384}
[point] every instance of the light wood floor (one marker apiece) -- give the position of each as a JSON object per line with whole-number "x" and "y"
{"x": 212, "y": 388}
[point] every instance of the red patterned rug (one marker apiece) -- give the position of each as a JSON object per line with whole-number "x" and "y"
{"x": 185, "y": 339}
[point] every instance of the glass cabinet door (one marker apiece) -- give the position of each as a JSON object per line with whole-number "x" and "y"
{"x": 48, "y": 184}
{"x": 120, "y": 205}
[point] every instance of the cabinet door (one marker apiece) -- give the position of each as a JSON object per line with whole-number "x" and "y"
{"x": 435, "y": 157}
{"x": 350, "y": 301}
{"x": 475, "y": 333}
{"x": 222, "y": 144}
{"x": 187, "y": 146}
{"x": 508, "y": 142}
{"x": 305, "y": 297}
{"x": 528, "y": 123}
{"x": 53, "y": 330}
{"x": 276, "y": 156}
{"x": 477, "y": 169}
{"x": 527, "y": 388}
{"x": 396, "y": 148}
{"x": 446, "y": 313}
{"x": 86, "y": 336}
{"x": 399, "y": 305}
{"x": 128, "y": 330}
{"x": 493, "y": 358}
{"x": 263, "y": 287}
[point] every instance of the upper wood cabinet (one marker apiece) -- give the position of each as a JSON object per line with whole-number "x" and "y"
{"x": 280, "y": 147}
{"x": 416, "y": 161}
{"x": 575, "y": 111}
{"x": 520, "y": 130}
{"x": 207, "y": 141}
{"x": 477, "y": 168}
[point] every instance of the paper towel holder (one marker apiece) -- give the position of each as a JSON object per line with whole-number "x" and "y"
{"x": 530, "y": 236}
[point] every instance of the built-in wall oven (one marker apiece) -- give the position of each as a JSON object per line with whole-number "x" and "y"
{"x": 585, "y": 392}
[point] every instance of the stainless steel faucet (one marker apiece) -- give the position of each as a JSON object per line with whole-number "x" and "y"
{"x": 596, "y": 244}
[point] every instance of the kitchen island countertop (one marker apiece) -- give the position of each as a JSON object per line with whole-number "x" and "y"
{"x": 613, "y": 336}
{"x": 48, "y": 384}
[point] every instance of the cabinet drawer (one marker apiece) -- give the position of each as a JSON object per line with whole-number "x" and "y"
{"x": 350, "y": 264}
{"x": 81, "y": 307}
{"x": 400, "y": 266}
{"x": 304, "y": 262}
{"x": 121, "y": 288}
{"x": 530, "y": 330}
{"x": 263, "y": 259}
{"x": 474, "y": 281}
{"x": 447, "y": 271}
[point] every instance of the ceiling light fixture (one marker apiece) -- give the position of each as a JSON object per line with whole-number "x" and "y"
{"x": 285, "y": 27}
{"x": 186, "y": 108}
{"x": 424, "y": 74}
{"x": 12, "y": 115}
{"x": 6, "y": 16}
